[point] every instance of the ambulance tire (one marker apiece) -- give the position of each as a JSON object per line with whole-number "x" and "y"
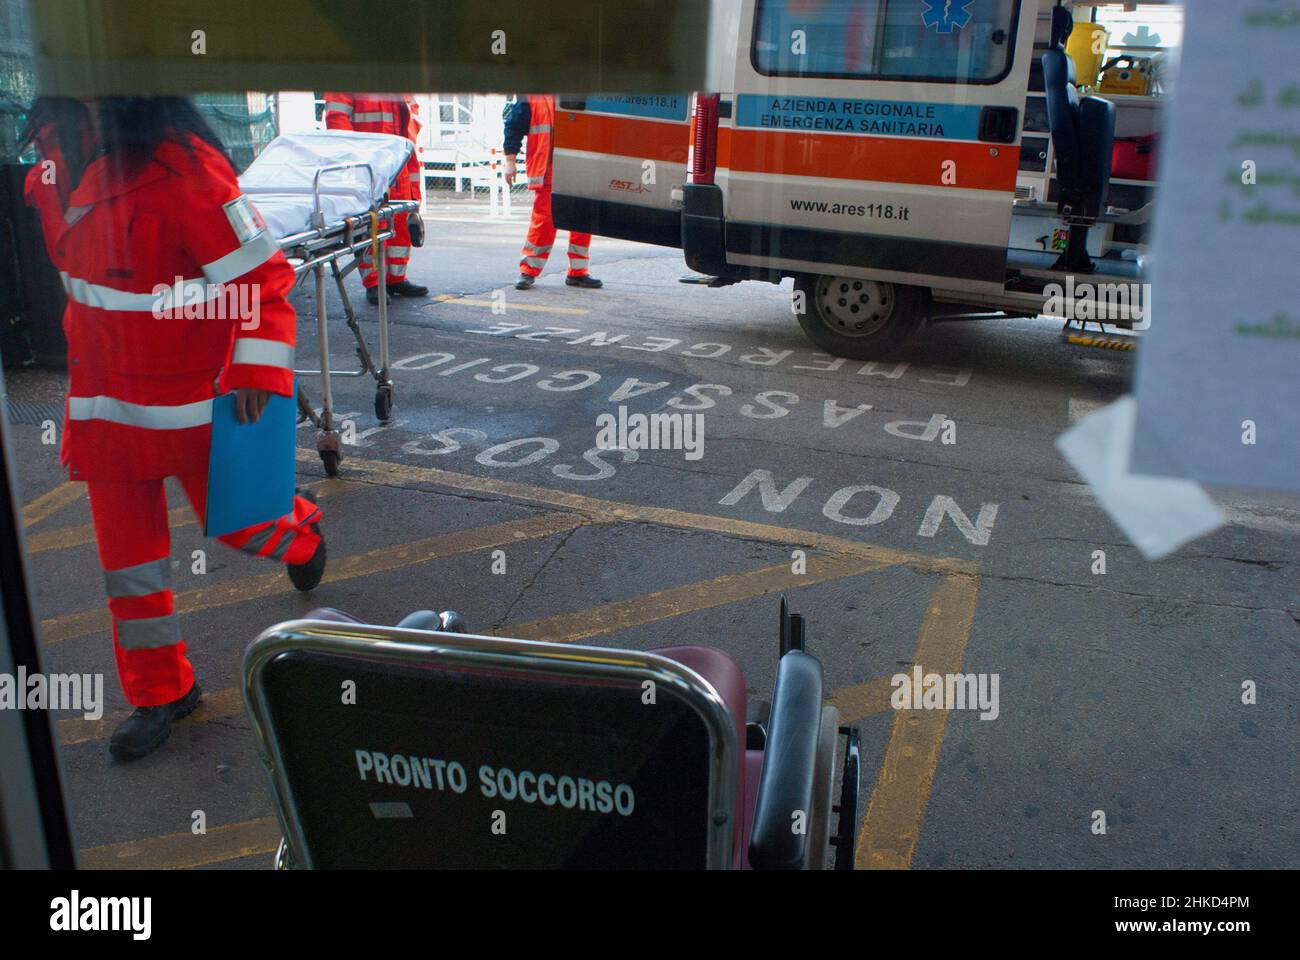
{"x": 895, "y": 312}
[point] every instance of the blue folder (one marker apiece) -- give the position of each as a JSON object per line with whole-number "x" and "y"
{"x": 251, "y": 470}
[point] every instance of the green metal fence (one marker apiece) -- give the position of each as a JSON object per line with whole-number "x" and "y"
{"x": 245, "y": 122}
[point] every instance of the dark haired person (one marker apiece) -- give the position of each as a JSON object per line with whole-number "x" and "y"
{"x": 144, "y": 219}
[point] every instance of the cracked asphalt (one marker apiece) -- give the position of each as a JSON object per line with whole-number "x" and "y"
{"x": 1119, "y": 692}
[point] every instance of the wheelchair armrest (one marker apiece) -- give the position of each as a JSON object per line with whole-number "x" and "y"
{"x": 789, "y": 760}
{"x": 1097, "y": 136}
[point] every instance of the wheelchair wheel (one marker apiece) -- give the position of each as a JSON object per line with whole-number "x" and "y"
{"x": 819, "y": 817}
{"x": 846, "y": 833}
{"x": 283, "y": 858}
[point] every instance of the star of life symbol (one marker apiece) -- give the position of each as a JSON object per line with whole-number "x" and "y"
{"x": 946, "y": 15}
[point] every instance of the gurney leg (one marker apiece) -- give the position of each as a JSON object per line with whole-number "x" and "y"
{"x": 384, "y": 390}
{"x": 305, "y": 411}
{"x": 363, "y": 353}
{"x": 327, "y": 441}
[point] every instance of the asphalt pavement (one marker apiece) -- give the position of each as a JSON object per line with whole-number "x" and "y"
{"x": 915, "y": 511}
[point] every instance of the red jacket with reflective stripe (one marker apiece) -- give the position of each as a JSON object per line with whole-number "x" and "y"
{"x": 176, "y": 292}
{"x": 397, "y": 116}
{"x": 541, "y": 137}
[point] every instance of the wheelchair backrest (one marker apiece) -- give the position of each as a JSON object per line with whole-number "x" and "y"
{"x": 390, "y": 747}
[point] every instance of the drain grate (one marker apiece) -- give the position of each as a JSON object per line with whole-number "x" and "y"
{"x": 33, "y": 413}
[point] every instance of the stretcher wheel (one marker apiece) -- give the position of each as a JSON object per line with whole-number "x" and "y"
{"x": 859, "y": 319}
{"x": 330, "y": 458}
{"x": 384, "y": 401}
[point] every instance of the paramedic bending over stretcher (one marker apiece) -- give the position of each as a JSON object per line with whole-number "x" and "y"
{"x": 136, "y": 197}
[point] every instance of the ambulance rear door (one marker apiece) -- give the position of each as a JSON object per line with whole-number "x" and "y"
{"x": 877, "y": 138}
{"x": 618, "y": 160}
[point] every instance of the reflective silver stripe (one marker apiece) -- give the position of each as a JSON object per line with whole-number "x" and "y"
{"x": 372, "y": 116}
{"x": 257, "y": 541}
{"x": 242, "y": 259}
{"x": 149, "y": 633}
{"x": 138, "y": 414}
{"x": 262, "y": 352}
{"x": 540, "y": 251}
{"x": 537, "y": 262}
{"x": 282, "y": 547}
{"x": 397, "y": 270}
{"x": 577, "y": 264}
{"x": 73, "y": 214}
{"x": 108, "y": 298}
{"x": 540, "y": 128}
{"x": 579, "y": 251}
{"x": 343, "y": 108}
{"x": 395, "y": 251}
{"x": 532, "y": 180}
{"x": 152, "y": 576}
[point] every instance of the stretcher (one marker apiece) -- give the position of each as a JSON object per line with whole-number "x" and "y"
{"x": 325, "y": 198}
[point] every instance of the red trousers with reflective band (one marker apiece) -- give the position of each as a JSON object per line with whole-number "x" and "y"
{"x": 397, "y": 254}
{"x": 135, "y": 552}
{"x": 541, "y": 237}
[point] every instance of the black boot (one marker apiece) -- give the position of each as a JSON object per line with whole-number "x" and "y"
{"x": 407, "y": 289}
{"x": 305, "y": 576}
{"x": 525, "y": 282}
{"x": 145, "y": 730}
{"x": 372, "y": 297}
{"x": 585, "y": 280}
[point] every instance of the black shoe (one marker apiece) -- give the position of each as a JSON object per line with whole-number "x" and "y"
{"x": 524, "y": 282}
{"x": 591, "y": 283}
{"x": 407, "y": 289}
{"x": 372, "y": 297}
{"x": 145, "y": 730}
{"x": 305, "y": 576}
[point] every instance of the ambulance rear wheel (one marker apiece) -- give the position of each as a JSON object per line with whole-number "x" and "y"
{"x": 856, "y": 318}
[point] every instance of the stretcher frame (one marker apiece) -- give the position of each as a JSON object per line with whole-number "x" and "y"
{"x": 324, "y": 245}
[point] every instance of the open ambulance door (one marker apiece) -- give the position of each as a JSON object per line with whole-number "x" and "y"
{"x": 872, "y": 140}
{"x": 618, "y": 161}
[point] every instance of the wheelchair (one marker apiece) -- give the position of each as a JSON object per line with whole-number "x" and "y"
{"x": 422, "y": 745}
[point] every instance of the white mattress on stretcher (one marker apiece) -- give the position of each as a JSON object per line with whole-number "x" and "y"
{"x": 279, "y": 181}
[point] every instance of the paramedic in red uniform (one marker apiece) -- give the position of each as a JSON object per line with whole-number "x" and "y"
{"x": 144, "y": 219}
{"x": 394, "y": 114}
{"x": 534, "y": 117}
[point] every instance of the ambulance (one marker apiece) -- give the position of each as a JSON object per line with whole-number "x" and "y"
{"x": 905, "y": 162}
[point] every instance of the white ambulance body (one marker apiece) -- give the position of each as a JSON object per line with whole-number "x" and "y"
{"x": 893, "y": 156}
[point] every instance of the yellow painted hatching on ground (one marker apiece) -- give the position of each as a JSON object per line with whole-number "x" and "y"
{"x": 895, "y": 810}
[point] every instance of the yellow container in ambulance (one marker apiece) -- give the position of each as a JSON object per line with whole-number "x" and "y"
{"x": 1127, "y": 75}
{"x": 1087, "y": 48}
